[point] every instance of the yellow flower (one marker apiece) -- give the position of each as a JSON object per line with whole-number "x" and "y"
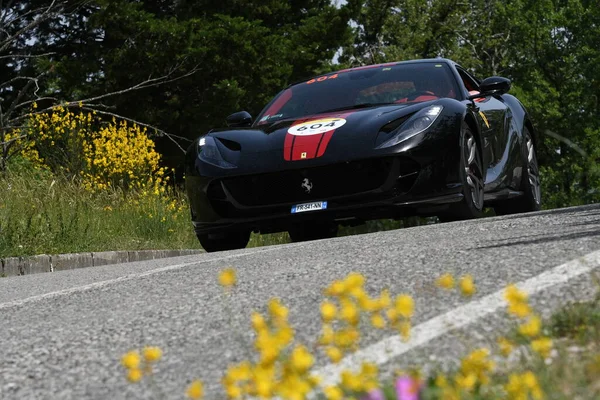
{"x": 520, "y": 310}
{"x": 327, "y": 336}
{"x": 405, "y": 305}
{"x": 131, "y": 360}
{"x": 506, "y": 347}
{"x": 337, "y": 288}
{"x": 378, "y": 321}
{"x": 152, "y": 354}
{"x": 134, "y": 375}
{"x": 328, "y": 311}
{"x": 258, "y": 322}
{"x": 478, "y": 364}
{"x": 466, "y": 382}
{"x": 512, "y": 294}
{"x": 520, "y": 386}
{"x": 334, "y": 354}
{"x": 277, "y": 310}
{"x": 532, "y": 327}
{"x": 354, "y": 280}
{"x": 542, "y": 346}
{"x": 227, "y": 277}
{"x": 445, "y": 281}
{"x": 351, "y": 381}
{"x": 333, "y": 393}
{"x": 301, "y": 359}
{"x": 467, "y": 286}
{"x": 517, "y": 302}
{"x": 195, "y": 390}
{"x": 350, "y": 314}
{"x": 384, "y": 300}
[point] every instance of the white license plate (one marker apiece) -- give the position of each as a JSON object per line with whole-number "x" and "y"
{"x": 317, "y": 205}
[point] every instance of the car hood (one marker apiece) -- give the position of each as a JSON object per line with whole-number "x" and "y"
{"x": 311, "y": 140}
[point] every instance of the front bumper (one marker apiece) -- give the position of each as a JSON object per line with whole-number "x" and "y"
{"x": 387, "y": 187}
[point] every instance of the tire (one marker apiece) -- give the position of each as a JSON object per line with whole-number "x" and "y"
{"x": 224, "y": 241}
{"x": 313, "y": 231}
{"x": 531, "y": 200}
{"x": 471, "y": 176}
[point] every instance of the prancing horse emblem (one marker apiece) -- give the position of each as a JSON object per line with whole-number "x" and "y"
{"x": 307, "y": 185}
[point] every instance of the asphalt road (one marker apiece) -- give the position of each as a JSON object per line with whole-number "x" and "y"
{"x": 62, "y": 334}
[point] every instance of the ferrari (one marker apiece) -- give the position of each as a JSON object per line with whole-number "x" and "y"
{"x": 419, "y": 137}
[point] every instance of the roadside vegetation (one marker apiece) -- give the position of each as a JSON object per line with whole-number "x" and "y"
{"x": 558, "y": 358}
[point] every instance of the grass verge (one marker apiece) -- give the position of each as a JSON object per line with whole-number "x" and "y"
{"x": 41, "y": 213}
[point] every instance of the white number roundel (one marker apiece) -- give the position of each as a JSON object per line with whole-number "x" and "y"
{"x": 316, "y": 126}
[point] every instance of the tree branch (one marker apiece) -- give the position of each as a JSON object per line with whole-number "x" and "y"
{"x": 142, "y": 85}
{"x": 160, "y": 131}
{"x": 27, "y": 55}
{"x": 42, "y": 17}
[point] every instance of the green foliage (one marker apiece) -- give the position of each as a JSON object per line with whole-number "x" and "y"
{"x": 41, "y": 213}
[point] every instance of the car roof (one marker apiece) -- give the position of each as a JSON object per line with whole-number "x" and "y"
{"x": 423, "y": 60}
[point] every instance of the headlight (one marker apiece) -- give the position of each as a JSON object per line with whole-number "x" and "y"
{"x": 209, "y": 153}
{"x": 416, "y": 124}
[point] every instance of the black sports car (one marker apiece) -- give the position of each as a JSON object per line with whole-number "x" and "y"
{"x": 420, "y": 137}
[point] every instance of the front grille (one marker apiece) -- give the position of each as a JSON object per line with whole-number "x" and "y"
{"x": 324, "y": 182}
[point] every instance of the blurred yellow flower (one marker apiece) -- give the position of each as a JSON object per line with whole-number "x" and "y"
{"x": 227, "y": 277}
{"x": 277, "y": 311}
{"x": 328, "y": 311}
{"x": 467, "y": 286}
{"x": 506, "y": 347}
{"x": 532, "y": 327}
{"x": 195, "y": 390}
{"x": 258, "y": 322}
{"x": 405, "y": 305}
{"x": 131, "y": 360}
{"x": 445, "y": 281}
{"x": 301, "y": 359}
{"x": 337, "y": 288}
{"x": 542, "y": 346}
{"x": 378, "y": 321}
{"x": 327, "y": 335}
{"x": 152, "y": 354}
{"x": 134, "y": 375}
{"x": 521, "y": 386}
{"x": 333, "y": 393}
{"x": 350, "y": 314}
{"x": 334, "y": 354}
{"x": 520, "y": 310}
{"x": 512, "y": 294}
{"x": 466, "y": 382}
{"x": 517, "y": 301}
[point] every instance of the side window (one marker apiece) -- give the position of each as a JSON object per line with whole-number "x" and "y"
{"x": 470, "y": 83}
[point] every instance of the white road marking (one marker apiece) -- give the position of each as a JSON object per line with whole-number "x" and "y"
{"x": 96, "y": 285}
{"x": 392, "y": 347}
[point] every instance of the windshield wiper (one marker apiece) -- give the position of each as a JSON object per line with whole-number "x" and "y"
{"x": 356, "y": 106}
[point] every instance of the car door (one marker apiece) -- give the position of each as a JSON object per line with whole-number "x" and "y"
{"x": 495, "y": 119}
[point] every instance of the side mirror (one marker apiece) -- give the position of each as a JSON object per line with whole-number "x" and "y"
{"x": 494, "y": 85}
{"x": 239, "y": 119}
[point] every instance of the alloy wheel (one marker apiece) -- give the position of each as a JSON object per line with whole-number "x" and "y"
{"x": 473, "y": 170}
{"x": 533, "y": 172}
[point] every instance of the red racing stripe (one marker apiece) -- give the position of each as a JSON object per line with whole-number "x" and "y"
{"x": 297, "y": 148}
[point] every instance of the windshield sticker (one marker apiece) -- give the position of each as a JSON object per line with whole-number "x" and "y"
{"x": 316, "y": 126}
{"x": 322, "y": 78}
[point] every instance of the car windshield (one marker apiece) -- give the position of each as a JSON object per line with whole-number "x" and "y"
{"x": 362, "y": 87}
